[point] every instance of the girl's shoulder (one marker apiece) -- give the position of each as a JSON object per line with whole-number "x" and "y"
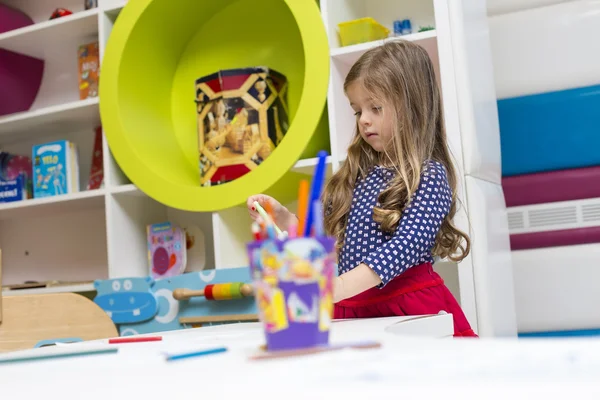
{"x": 434, "y": 169}
{"x": 431, "y": 170}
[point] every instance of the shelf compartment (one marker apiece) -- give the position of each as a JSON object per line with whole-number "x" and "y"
{"x": 350, "y": 54}
{"x": 67, "y": 288}
{"x": 52, "y": 205}
{"x": 38, "y": 40}
{"x": 63, "y": 240}
{"x": 420, "y": 12}
{"x": 80, "y": 114}
{"x": 130, "y": 212}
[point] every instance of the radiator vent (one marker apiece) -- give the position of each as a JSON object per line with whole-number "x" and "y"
{"x": 554, "y": 216}
{"x": 590, "y": 212}
{"x": 516, "y": 220}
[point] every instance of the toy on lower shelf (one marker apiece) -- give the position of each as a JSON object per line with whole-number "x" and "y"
{"x": 220, "y": 291}
{"x": 155, "y": 307}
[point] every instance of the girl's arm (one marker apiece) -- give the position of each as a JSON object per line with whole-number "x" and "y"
{"x": 413, "y": 240}
{"x": 354, "y": 282}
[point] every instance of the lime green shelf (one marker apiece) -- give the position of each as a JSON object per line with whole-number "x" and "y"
{"x": 156, "y": 51}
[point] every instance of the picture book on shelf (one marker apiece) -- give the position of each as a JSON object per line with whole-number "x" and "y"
{"x": 55, "y": 169}
{"x": 15, "y": 177}
{"x": 166, "y": 250}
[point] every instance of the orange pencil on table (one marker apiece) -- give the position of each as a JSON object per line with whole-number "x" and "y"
{"x": 302, "y": 206}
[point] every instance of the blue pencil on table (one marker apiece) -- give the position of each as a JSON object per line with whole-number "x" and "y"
{"x": 200, "y": 353}
{"x": 315, "y": 191}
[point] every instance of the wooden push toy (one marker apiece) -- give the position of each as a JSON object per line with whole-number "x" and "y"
{"x": 142, "y": 305}
{"x": 219, "y": 291}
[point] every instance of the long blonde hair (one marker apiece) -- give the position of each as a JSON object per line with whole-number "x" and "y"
{"x": 400, "y": 76}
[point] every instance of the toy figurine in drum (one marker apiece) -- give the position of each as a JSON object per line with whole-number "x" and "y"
{"x": 242, "y": 117}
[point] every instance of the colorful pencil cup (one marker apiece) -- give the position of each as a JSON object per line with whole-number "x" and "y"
{"x": 293, "y": 281}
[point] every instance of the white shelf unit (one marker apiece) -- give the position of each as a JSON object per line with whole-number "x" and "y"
{"x": 102, "y": 234}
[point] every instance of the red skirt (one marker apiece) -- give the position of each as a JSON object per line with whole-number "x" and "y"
{"x": 417, "y": 291}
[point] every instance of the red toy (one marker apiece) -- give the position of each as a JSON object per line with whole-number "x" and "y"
{"x": 60, "y": 12}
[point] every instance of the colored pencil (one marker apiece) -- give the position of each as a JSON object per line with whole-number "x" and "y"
{"x": 135, "y": 339}
{"x": 315, "y": 192}
{"x": 200, "y": 353}
{"x": 263, "y": 227}
{"x": 256, "y": 230}
{"x": 318, "y": 218}
{"x": 267, "y": 218}
{"x": 292, "y": 231}
{"x": 55, "y": 352}
{"x": 302, "y": 206}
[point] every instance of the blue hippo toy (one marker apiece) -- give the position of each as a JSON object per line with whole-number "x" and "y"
{"x": 127, "y": 300}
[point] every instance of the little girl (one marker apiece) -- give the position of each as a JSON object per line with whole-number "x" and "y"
{"x": 391, "y": 204}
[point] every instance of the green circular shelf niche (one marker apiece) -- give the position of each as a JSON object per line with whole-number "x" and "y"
{"x": 156, "y": 51}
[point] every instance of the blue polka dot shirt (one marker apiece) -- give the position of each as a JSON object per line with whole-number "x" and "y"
{"x": 391, "y": 254}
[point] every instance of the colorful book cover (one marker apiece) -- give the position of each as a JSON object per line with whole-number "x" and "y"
{"x": 13, "y": 189}
{"x": 89, "y": 70}
{"x": 15, "y": 177}
{"x": 55, "y": 169}
{"x": 166, "y": 250}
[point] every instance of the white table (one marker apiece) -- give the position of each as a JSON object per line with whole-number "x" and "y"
{"x": 409, "y": 364}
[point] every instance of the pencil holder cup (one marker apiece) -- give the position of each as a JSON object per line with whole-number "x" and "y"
{"x": 293, "y": 281}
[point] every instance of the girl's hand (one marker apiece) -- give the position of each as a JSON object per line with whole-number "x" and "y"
{"x": 283, "y": 217}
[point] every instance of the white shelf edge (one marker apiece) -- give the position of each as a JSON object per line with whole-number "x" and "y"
{"x": 86, "y": 194}
{"x": 340, "y": 52}
{"x": 127, "y": 188}
{"x": 87, "y": 287}
{"x": 310, "y": 162}
{"x": 48, "y": 24}
{"x": 115, "y": 7}
{"x": 42, "y": 112}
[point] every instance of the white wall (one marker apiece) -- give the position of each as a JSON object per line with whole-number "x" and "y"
{"x": 540, "y": 46}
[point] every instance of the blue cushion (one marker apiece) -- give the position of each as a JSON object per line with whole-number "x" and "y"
{"x": 550, "y": 131}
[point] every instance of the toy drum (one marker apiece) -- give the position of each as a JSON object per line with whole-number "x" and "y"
{"x": 242, "y": 117}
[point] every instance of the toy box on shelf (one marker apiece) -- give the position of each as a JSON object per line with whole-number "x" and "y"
{"x": 89, "y": 70}
{"x": 55, "y": 169}
{"x": 242, "y": 117}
